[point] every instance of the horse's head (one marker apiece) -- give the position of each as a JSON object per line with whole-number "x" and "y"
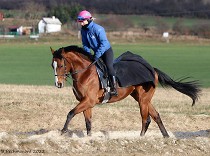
{"x": 58, "y": 64}
{"x": 71, "y": 59}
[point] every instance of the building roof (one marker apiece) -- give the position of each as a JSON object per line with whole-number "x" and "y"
{"x": 51, "y": 20}
{"x": 13, "y": 27}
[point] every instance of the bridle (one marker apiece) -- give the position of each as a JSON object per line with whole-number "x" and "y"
{"x": 74, "y": 72}
{"x": 78, "y": 71}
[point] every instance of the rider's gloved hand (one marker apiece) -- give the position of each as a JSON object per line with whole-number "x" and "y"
{"x": 91, "y": 57}
{"x": 95, "y": 58}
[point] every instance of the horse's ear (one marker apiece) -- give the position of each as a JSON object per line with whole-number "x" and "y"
{"x": 52, "y": 50}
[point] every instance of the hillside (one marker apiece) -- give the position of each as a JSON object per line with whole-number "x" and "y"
{"x": 130, "y": 24}
{"x": 192, "y": 8}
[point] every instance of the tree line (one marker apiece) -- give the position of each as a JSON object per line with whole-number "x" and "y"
{"x": 69, "y": 8}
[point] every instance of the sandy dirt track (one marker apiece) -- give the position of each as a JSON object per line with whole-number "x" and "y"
{"x": 31, "y": 118}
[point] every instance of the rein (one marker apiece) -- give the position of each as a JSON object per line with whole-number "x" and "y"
{"x": 76, "y": 71}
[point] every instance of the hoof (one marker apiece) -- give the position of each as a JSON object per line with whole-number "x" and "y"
{"x": 63, "y": 131}
{"x": 142, "y": 134}
{"x": 166, "y": 136}
{"x": 89, "y": 134}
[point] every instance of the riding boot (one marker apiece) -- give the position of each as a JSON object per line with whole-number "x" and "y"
{"x": 113, "y": 91}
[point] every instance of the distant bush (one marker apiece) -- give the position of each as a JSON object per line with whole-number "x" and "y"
{"x": 113, "y": 22}
{"x": 161, "y": 26}
{"x": 179, "y": 28}
{"x": 201, "y": 30}
{"x": 8, "y": 14}
{"x": 66, "y": 13}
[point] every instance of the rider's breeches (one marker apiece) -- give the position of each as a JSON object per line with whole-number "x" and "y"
{"x": 107, "y": 57}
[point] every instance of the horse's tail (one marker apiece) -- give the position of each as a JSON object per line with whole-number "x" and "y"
{"x": 190, "y": 88}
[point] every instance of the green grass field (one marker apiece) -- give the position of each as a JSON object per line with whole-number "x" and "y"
{"x": 30, "y": 63}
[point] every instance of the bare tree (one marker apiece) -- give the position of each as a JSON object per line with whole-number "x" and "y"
{"x": 34, "y": 12}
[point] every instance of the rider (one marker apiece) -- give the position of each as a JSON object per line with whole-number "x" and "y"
{"x": 94, "y": 37}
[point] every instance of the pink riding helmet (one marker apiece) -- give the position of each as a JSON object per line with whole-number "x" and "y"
{"x": 83, "y": 15}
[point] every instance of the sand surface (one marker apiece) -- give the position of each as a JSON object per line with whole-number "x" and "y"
{"x": 31, "y": 118}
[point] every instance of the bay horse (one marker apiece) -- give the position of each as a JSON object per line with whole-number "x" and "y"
{"x": 73, "y": 61}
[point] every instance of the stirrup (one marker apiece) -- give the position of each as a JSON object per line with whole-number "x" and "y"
{"x": 113, "y": 92}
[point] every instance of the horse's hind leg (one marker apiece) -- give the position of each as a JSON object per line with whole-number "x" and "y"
{"x": 144, "y": 94}
{"x": 156, "y": 117}
{"x": 145, "y": 118}
{"x": 147, "y": 123}
{"x": 88, "y": 115}
{"x": 140, "y": 96}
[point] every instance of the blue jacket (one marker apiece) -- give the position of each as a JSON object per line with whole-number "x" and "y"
{"x": 94, "y": 37}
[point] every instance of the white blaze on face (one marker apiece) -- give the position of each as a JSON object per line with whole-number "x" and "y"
{"x": 55, "y": 72}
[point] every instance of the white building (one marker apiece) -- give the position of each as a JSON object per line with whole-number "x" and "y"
{"x": 48, "y": 25}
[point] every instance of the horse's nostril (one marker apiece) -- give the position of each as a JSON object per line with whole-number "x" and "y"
{"x": 60, "y": 85}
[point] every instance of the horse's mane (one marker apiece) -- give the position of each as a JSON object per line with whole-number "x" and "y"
{"x": 72, "y": 48}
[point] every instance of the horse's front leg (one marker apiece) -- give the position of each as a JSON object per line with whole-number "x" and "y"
{"x": 70, "y": 115}
{"x": 88, "y": 115}
{"x": 81, "y": 107}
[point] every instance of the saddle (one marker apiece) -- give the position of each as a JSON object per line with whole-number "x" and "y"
{"x": 130, "y": 69}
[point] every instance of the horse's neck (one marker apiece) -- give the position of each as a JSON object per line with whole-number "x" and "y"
{"x": 79, "y": 61}
{"x": 83, "y": 74}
